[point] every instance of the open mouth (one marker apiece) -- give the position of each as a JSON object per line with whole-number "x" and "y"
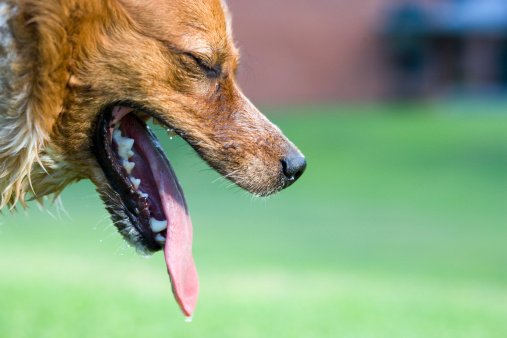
{"x": 145, "y": 199}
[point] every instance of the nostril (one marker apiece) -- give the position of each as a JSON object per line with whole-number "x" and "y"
{"x": 293, "y": 166}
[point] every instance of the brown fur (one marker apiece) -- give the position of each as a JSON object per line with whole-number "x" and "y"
{"x": 74, "y": 57}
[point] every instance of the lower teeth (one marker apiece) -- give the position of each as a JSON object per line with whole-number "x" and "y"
{"x": 157, "y": 226}
{"x": 136, "y": 182}
{"x": 159, "y": 238}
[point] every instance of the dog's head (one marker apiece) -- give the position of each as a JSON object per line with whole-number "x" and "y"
{"x": 126, "y": 62}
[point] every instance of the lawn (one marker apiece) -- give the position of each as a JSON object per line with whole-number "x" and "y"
{"x": 397, "y": 229}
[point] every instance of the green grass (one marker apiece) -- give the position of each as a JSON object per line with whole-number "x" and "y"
{"x": 398, "y": 229}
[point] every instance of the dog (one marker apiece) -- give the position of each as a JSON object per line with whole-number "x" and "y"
{"x": 81, "y": 79}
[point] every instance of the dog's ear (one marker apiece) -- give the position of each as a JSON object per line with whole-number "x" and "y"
{"x": 31, "y": 94}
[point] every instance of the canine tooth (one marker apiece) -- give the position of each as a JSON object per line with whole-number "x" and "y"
{"x": 129, "y": 166}
{"x": 142, "y": 194}
{"x": 159, "y": 238}
{"x": 136, "y": 182}
{"x": 157, "y": 226}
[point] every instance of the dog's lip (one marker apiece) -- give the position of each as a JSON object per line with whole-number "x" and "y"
{"x": 147, "y": 112}
{"x": 151, "y": 159}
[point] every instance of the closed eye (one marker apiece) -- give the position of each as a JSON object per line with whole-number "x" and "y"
{"x": 212, "y": 72}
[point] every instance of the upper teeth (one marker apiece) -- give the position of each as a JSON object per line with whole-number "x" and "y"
{"x": 129, "y": 166}
{"x": 157, "y": 226}
{"x": 124, "y": 144}
{"x": 125, "y": 152}
{"x": 135, "y": 181}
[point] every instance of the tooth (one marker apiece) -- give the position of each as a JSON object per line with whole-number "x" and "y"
{"x": 124, "y": 144}
{"x": 129, "y": 142}
{"x": 136, "y": 182}
{"x": 157, "y": 226}
{"x": 129, "y": 166}
{"x": 125, "y": 147}
{"x": 117, "y": 134}
{"x": 142, "y": 194}
{"x": 159, "y": 238}
{"x": 171, "y": 132}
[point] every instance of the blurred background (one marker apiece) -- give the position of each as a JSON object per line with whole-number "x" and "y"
{"x": 397, "y": 229}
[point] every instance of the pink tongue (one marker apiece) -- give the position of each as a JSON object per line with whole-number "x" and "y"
{"x": 178, "y": 246}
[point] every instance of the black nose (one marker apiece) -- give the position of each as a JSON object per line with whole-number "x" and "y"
{"x": 293, "y": 166}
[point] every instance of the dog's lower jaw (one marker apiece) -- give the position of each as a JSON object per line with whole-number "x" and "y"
{"x": 121, "y": 219}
